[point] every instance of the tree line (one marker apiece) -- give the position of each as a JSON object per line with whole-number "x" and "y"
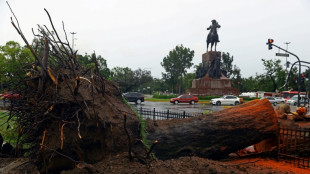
{"x": 175, "y": 79}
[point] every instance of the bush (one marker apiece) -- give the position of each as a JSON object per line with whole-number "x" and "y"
{"x": 207, "y": 97}
{"x": 162, "y": 96}
{"x": 248, "y": 98}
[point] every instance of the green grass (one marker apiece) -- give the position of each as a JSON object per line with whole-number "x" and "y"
{"x": 143, "y": 132}
{"x": 8, "y": 130}
{"x": 157, "y": 100}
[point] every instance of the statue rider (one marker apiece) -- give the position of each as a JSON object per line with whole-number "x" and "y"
{"x": 213, "y": 28}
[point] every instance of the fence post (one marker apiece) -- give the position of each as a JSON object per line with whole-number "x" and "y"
{"x": 168, "y": 114}
{"x": 154, "y": 114}
{"x": 183, "y": 114}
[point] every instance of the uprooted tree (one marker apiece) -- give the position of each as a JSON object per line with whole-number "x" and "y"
{"x": 69, "y": 115}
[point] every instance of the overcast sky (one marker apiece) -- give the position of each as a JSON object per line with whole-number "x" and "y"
{"x": 140, "y": 33}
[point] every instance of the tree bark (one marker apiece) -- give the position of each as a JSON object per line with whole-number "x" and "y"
{"x": 215, "y": 135}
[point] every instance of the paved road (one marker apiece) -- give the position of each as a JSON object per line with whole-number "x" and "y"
{"x": 196, "y": 108}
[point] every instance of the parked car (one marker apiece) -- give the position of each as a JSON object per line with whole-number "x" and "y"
{"x": 7, "y": 96}
{"x": 293, "y": 100}
{"x": 184, "y": 99}
{"x": 226, "y": 100}
{"x": 134, "y": 97}
{"x": 279, "y": 99}
{"x": 272, "y": 100}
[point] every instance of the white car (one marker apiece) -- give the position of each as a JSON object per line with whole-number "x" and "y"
{"x": 293, "y": 100}
{"x": 226, "y": 100}
{"x": 279, "y": 99}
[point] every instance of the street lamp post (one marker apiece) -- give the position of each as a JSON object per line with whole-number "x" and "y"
{"x": 73, "y": 33}
{"x": 286, "y": 57}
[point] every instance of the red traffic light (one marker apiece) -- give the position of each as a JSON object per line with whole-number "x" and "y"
{"x": 270, "y": 40}
{"x": 303, "y": 76}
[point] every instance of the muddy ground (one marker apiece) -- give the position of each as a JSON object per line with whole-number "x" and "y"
{"x": 121, "y": 164}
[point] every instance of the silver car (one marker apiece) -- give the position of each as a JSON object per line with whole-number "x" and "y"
{"x": 293, "y": 100}
{"x": 226, "y": 100}
{"x": 279, "y": 99}
{"x": 272, "y": 100}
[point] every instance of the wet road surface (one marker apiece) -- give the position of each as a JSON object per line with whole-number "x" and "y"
{"x": 196, "y": 108}
{"x": 188, "y": 108}
{"x": 163, "y": 106}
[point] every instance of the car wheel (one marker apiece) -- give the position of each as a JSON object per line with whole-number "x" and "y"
{"x": 192, "y": 102}
{"x": 218, "y": 103}
{"x": 138, "y": 101}
{"x": 275, "y": 104}
{"x": 236, "y": 103}
{"x": 176, "y": 102}
{"x": 295, "y": 104}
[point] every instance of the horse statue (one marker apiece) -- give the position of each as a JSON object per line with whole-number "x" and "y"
{"x": 213, "y": 37}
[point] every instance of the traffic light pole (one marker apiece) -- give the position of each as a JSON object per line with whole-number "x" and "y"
{"x": 299, "y": 72}
{"x": 289, "y": 73}
{"x": 288, "y": 76}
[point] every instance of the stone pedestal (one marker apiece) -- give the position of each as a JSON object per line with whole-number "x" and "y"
{"x": 208, "y": 57}
{"x": 207, "y": 86}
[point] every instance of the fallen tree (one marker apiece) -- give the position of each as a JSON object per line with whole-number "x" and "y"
{"x": 215, "y": 135}
{"x": 70, "y": 116}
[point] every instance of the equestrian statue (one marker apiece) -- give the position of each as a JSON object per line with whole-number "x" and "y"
{"x": 213, "y": 38}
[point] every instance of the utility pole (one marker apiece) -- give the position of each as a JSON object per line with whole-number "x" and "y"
{"x": 73, "y": 33}
{"x": 286, "y": 57}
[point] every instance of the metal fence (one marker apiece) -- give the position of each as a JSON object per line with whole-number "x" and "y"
{"x": 164, "y": 115}
{"x": 294, "y": 146}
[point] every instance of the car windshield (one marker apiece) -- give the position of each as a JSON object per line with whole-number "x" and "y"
{"x": 180, "y": 96}
{"x": 294, "y": 98}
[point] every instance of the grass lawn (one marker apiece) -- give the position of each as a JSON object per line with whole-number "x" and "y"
{"x": 8, "y": 133}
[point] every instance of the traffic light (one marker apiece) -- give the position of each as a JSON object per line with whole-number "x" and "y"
{"x": 269, "y": 43}
{"x": 302, "y": 79}
{"x": 288, "y": 64}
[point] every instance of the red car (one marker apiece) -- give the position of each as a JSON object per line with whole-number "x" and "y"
{"x": 10, "y": 96}
{"x": 184, "y": 99}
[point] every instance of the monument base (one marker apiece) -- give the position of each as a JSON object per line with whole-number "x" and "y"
{"x": 207, "y": 86}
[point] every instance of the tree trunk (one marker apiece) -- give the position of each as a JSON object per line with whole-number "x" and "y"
{"x": 217, "y": 134}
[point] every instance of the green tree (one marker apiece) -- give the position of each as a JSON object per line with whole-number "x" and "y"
{"x": 130, "y": 80}
{"x": 249, "y": 84}
{"x": 188, "y": 78}
{"x": 158, "y": 85}
{"x": 142, "y": 78}
{"x": 124, "y": 77}
{"x": 226, "y": 64}
{"x": 275, "y": 72}
{"x": 175, "y": 65}
{"x": 232, "y": 71}
{"x": 12, "y": 58}
{"x": 90, "y": 61}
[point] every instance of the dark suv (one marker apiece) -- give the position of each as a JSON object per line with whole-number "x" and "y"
{"x": 134, "y": 97}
